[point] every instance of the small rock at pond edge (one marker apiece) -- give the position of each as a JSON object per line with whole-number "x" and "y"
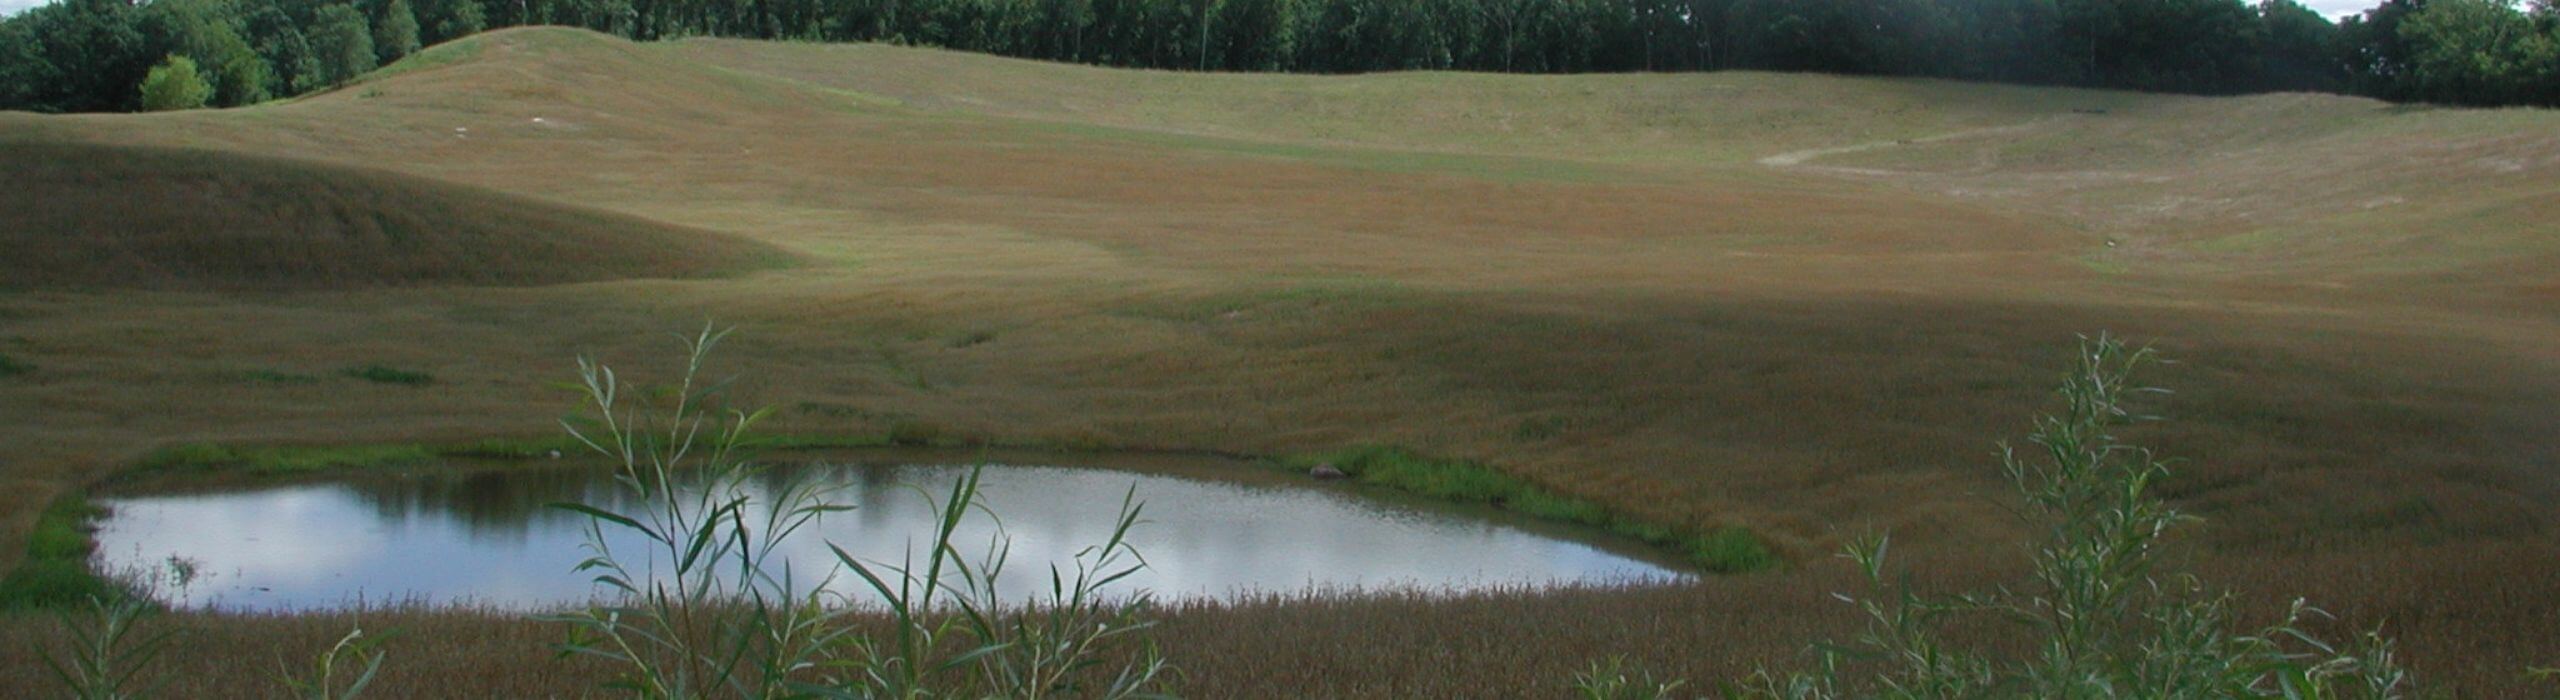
{"x": 1326, "y": 471}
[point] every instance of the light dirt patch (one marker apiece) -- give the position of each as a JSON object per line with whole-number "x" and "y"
{"x": 1801, "y": 157}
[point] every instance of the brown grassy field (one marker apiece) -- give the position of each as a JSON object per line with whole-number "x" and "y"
{"x": 1804, "y": 305}
{"x": 122, "y": 217}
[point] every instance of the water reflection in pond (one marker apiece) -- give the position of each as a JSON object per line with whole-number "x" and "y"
{"x": 486, "y": 537}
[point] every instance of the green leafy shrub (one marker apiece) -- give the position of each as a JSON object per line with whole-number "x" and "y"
{"x": 173, "y": 85}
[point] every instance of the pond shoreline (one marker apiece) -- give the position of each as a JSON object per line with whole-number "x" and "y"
{"x": 57, "y": 569}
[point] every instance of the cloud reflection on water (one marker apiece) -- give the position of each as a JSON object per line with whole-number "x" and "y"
{"x": 486, "y": 538}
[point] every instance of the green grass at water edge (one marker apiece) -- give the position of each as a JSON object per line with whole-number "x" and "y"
{"x": 534, "y": 448}
{"x": 1719, "y": 550}
{"x": 278, "y": 460}
{"x": 56, "y": 572}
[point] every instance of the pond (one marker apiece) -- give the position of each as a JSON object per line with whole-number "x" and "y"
{"x": 484, "y": 537}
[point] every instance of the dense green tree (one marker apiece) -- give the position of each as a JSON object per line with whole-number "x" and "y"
{"x": 2376, "y": 57}
{"x": 1800, "y": 35}
{"x": 342, "y": 44}
{"x": 81, "y": 56}
{"x": 24, "y": 70}
{"x": 2298, "y": 48}
{"x": 440, "y": 21}
{"x": 174, "y": 84}
{"x": 395, "y": 31}
{"x": 279, "y": 41}
{"x": 2475, "y": 51}
{"x": 2184, "y": 46}
{"x": 211, "y": 33}
{"x": 2086, "y": 34}
{"x": 2544, "y": 54}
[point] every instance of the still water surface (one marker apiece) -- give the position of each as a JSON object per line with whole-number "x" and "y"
{"x": 485, "y": 538}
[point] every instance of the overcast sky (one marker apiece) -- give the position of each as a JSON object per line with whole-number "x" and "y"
{"x": 2332, "y": 8}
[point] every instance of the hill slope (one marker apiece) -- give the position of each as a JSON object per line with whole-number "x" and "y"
{"x": 2283, "y": 188}
{"x": 2307, "y": 193}
{"x": 88, "y": 216}
{"x": 1802, "y": 305}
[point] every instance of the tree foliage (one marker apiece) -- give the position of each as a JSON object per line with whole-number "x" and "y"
{"x": 79, "y": 56}
{"x": 395, "y": 30}
{"x": 86, "y": 55}
{"x": 174, "y": 85}
{"x": 342, "y": 44}
{"x": 2481, "y": 52}
{"x": 208, "y": 33}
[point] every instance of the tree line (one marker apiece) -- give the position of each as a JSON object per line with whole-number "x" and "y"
{"x": 101, "y": 55}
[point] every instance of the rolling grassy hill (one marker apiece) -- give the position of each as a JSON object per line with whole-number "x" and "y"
{"x": 1804, "y": 305}
{"x": 94, "y": 217}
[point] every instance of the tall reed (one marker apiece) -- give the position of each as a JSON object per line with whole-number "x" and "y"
{"x": 711, "y": 609}
{"x": 699, "y": 612}
{"x": 109, "y": 655}
{"x": 340, "y": 672}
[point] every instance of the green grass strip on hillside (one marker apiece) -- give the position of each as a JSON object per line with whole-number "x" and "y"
{"x": 390, "y": 375}
{"x": 56, "y": 572}
{"x": 1721, "y": 550}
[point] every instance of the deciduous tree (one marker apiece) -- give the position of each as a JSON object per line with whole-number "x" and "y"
{"x": 174, "y": 84}
{"x": 342, "y": 42}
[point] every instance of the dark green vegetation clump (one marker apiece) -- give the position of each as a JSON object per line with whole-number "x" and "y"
{"x": 11, "y": 366}
{"x": 379, "y": 374}
{"x": 1720, "y": 550}
{"x": 56, "y": 573}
